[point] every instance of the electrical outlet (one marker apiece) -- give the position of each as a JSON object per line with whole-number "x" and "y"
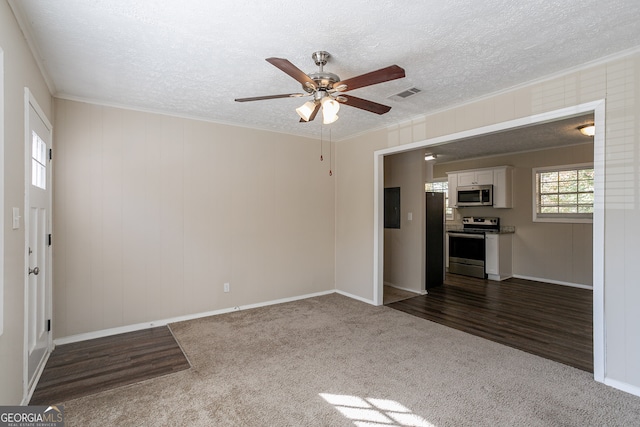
{"x": 226, "y": 287}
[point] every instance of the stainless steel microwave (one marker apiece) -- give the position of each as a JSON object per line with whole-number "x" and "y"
{"x": 475, "y": 195}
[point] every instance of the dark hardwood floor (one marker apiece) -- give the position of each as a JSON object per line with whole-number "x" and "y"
{"x": 548, "y": 320}
{"x": 87, "y": 367}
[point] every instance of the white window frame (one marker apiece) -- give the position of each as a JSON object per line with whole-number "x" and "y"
{"x": 38, "y": 162}
{"x": 447, "y": 208}
{"x": 560, "y": 217}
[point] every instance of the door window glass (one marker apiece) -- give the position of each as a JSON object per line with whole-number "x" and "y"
{"x": 38, "y": 162}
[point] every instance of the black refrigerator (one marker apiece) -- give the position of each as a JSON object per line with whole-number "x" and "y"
{"x": 435, "y": 235}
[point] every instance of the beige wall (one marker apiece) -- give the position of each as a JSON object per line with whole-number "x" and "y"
{"x": 617, "y": 81}
{"x": 561, "y": 252}
{"x": 20, "y": 71}
{"x": 354, "y": 202}
{"x": 404, "y": 248}
{"x": 126, "y": 258}
{"x": 155, "y": 213}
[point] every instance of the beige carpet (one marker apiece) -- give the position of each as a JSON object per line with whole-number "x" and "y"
{"x": 334, "y": 361}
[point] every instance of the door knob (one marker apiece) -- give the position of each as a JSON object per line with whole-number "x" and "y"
{"x": 35, "y": 271}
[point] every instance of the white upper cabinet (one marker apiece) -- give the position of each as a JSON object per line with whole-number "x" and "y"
{"x": 500, "y": 177}
{"x": 453, "y": 189}
{"x": 502, "y": 187}
{"x": 477, "y": 177}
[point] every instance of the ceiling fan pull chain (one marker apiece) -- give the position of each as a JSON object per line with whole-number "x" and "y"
{"x": 321, "y": 158}
{"x": 330, "y": 156}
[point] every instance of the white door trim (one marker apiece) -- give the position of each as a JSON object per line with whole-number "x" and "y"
{"x": 2, "y": 193}
{"x": 596, "y": 107}
{"x": 30, "y": 102}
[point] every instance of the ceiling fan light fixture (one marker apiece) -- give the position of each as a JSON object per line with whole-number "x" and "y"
{"x": 588, "y": 130}
{"x": 328, "y": 120}
{"x": 323, "y": 85}
{"x": 306, "y": 110}
{"x": 330, "y": 109}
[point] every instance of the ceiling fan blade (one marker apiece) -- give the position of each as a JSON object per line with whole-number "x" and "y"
{"x": 260, "y": 98}
{"x": 313, "y": 114}
{"x": 293, "y": 71}
{"x": 374, "y": 77}
{"x": 365, "y": 104}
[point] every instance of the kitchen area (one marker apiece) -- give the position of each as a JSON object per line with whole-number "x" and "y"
{"x": 508, "y": 276}
{"x": 516, "y": 244}
{"x": 481, "y": 247}
{"x": 557, "y": 251}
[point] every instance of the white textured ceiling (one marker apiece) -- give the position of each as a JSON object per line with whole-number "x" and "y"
{"x": 541, "y": 136}
{"x": 193, "y": 57}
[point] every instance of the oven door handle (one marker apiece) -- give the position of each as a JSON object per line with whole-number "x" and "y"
{"x": 467, "y": 236}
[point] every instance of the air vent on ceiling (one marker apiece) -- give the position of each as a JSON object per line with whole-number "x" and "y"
{"x": 405, "y": 94}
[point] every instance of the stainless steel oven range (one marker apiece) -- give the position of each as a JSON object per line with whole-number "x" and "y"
{"x": 467, "y": 246}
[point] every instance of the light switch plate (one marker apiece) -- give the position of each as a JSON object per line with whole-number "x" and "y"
{"x": 16, "y": 218}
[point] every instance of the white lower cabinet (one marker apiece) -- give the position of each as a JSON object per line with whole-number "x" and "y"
{"x": 498, "y": 258}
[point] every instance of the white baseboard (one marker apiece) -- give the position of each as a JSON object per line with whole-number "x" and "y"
{"x": 347, "y": 294}
{"x": 628, "y": 388}
{"x": 405, "y": 289}
{"x": 163, "y": 322}
{"x": 555, "y": 282}
{"x": 498, "y": 278}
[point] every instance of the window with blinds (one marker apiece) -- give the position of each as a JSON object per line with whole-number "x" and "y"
{"x": 564, "y": 193}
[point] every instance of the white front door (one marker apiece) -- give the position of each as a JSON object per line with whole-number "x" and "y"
{"x": 37, "y": 229}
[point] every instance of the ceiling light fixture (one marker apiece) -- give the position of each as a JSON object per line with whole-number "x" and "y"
{"x": 324, "y": 88}
{"x": 330, "y": 109}
{"x": 588, "y": 130}
{"x": 306, "y": 110}
{"x": 429, "y": 156}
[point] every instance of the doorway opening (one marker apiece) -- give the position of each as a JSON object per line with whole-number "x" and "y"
{"x": 597, "y": 108}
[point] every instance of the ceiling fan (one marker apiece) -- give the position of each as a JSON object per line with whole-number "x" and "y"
{"x": 327, "y": 88}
